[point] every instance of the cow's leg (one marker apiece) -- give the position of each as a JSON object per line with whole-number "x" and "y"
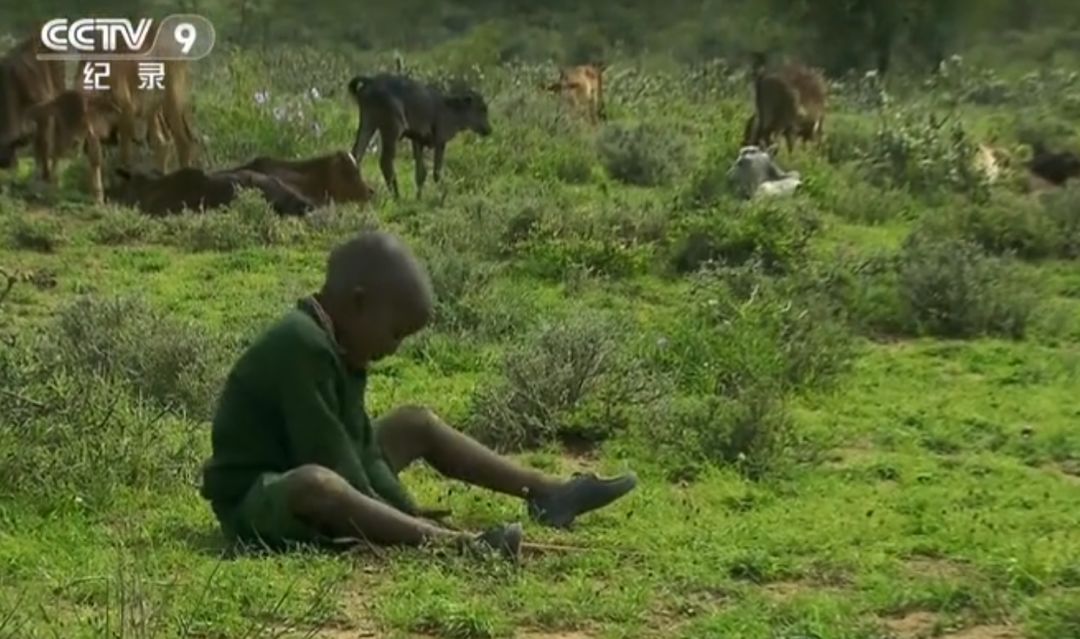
{"x": 439, "y": 153}
{"x": 388, "y": 138}
{"x": 181, "y": 135}
{"x": 421, "y": 170}
{"x": 44, "y": 145}
{"x": 156, "y": 137}
{"x": 94, "y": 159}
{"x": 126, "y": 131}
{"x": 789, "y": 137}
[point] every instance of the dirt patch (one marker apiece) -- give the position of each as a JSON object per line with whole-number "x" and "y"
{"x": 785, "y": 590}
{"x": 1070, "y": 470}
{"x": 924, "y": 567}
{"x": 918, "y": 624}
{"x": 543, "y": 634}
{"x": 326, "y": 633}
{"x": 986, "y": 632}
{"x": 859, "y": 454}
{"x": 670, "y": 613}
{"x": 921, "y": 624}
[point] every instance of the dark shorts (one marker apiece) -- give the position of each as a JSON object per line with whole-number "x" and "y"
{"x": 263, "y": 516}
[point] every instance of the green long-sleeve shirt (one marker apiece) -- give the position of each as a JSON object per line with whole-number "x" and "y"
{"x": 289, "y": 401}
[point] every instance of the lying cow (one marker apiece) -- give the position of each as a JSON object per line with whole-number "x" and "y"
{"x": 194, "y": 189}
{"x": 399, "y": 107}
{"x": 1053, "y": 167}
{"x": 25, "y": 82}
{"x": 334, "y": 177}
{"x": 754, "y": 174}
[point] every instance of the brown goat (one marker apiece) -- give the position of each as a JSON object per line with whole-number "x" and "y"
{"x": 790, "y": 101}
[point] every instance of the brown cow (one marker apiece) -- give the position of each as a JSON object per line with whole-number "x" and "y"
{"x": 25, "y": 82}
{"x": 195, "y": 190}
{"x": 583, "y": 87}
{"x": 790, "y": 101}
{"x": 322, "y": 179}
{"x": 73, "y": 120}
{"x": 166, "y": 112}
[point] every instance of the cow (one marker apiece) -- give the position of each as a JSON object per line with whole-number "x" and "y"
{"x": 330, "y": 177}
{"x": 26, "y": 81}
{"x": 754, "y": 174}
{"x": 193, "y": 189}
{"x": 583, "y": 87}
{"x": 1054, "y": 167}
{"x": 790, "y": 101}
{"x": 71, "y": 121}
{"x": 166, "y": 112}
{"x": 397, "y": 107}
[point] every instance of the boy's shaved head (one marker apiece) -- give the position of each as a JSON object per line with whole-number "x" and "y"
{"x": 380, "y": 263}
{"x": 376, "y": 293}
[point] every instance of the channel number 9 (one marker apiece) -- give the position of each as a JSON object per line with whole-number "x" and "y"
{"x": 185, "y": 37}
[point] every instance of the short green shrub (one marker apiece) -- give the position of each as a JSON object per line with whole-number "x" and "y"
{"x": 571, "y": 380}
{"x": 123, "y": 226}
{"x": 644, "y": 155}
{"x": 750, "y": 432}
{"x": 926, "y": 155}
{"x": 1063, "y": 212}
{"x": 739, "y": 347}
{"x": 950, "y": 287}
{"x": 1004, "y": 225}
{"x": 36, "y": 233}
{"x": 456, "y": 276}
{"x": 775, "y": 231}
{"x": 175, "y": 364}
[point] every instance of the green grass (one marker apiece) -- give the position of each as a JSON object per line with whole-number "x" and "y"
{"x": 922, "y": 475}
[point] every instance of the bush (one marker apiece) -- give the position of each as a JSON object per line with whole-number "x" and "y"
{"x": 926, "y": 156}
{"x": 249, "y": 220}
{"x": 645, "y": 155}
{"x": 36, "y": 233}
{"x": 456, "y": 277}
{"x": 742, "y": 328}
{"x": 1004, "y": 225}
{"x": 750, "y": 432}
{"x": 949, "y": 287}
{"x": 739, "y": 347}
{"x": 72, "y": 437}
{"x": 565, "y": 381}
{"x": 122, "y": 226}
{"x": 171, "y": 363}
{"x": 777, "y": 232}
{"x": 617, "y": 240}
{"x": 1062, "y": 209}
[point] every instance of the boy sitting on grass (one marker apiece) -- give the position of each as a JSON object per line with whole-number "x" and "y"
{"x": 295, "y": 456}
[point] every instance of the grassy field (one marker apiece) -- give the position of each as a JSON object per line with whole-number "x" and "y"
{"x": 854, "y": 412}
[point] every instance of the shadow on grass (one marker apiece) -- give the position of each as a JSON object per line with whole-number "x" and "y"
{"x": 211, "y": 542}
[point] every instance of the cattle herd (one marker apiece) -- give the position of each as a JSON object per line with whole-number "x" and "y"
{"x": 38, "y": 109}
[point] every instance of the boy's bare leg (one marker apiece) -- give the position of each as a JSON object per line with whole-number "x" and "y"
{"x": 411, "y": 433}
{"x": 329, "y": 504}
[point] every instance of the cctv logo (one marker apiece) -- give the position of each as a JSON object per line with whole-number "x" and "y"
{"x": 94, "y": 35}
